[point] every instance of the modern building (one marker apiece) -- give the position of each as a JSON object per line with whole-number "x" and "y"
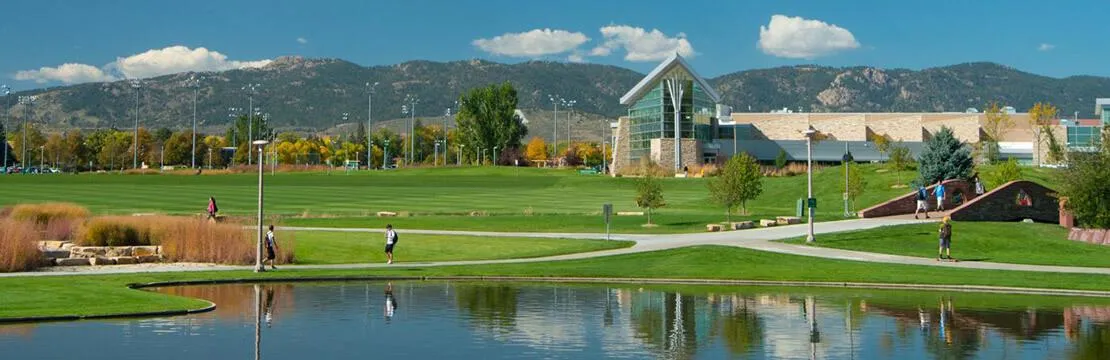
{"x": 1102, "y": 109}
{"x": 709, "y": 132}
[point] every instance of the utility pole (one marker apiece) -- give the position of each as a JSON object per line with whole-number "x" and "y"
{"x": 194, "y": 83}
{"x": 27, "y": 102}
{"x": 7, "y": 108}
{"x": 411, "y": 101}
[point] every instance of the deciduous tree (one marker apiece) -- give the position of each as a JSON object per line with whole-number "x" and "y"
{"x": 1086, "y": 184}
{"x": 536, "y": 149}
{"x": 739, "y": 181}
{"x": 997, "y": 122}
{"x": 1040, "y": 119}
{"x": 487, "y": 118}
{"x": 649, "y": 194}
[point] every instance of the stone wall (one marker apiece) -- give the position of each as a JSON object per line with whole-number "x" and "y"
{"x": 1092, "y": 236}
{"x": 846, "y": 128}
{"x": 621, "y": 157}
{"x": 662, "y": 152}
{"x": 906, "y": 204}
{"x": 965, "y": 128}
{"x": 1015, "y": 200}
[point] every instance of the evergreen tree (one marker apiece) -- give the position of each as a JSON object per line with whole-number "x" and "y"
{"x": 944, "y": 157}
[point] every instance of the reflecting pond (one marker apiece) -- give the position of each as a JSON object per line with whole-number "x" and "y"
{"x": 469, "y": 320}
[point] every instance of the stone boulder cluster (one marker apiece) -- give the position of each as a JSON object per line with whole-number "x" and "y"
{"x": 64, "y": 253}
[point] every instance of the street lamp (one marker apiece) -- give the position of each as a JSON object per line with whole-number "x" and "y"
{"x": 250, "y": 89}
{"x": 847, "y": 159}
{"x": 810, "y": 133}
{"x": 435, "y": 157}
{"x": 194, "y": 82}
{"x": 369, "y": 123}
{"x": 385, "y": 154}
{"x": 460, "y": 151}
{"x": 7, "y": 108}
{"x": 258, "y": 254}
{"x": 493, "y": 156}
{"x": 42, "y": 157}
{"x": 136, "y": 84}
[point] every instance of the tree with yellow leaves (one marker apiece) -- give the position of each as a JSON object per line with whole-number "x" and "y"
{"x": 1040, "y": 119}
{"x": 536, "y": 149}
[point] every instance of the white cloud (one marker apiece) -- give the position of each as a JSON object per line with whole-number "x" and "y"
{"x": 68, "y": 73}
{"x": 1046, "y": 47}
{"x": 800, "y": 38}
{"x": 302, "y": 40}
{"x": 642, "y": 45}
{"x": 155, "y": 62}
{"x": 533, "y": 43}
{"x": 576, "y": 57}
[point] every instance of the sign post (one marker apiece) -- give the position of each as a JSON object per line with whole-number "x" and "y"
{"x": 607, "y": 210}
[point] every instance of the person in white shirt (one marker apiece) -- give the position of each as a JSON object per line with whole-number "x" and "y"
{"x": 390, "y": 240}
{"x": 271, "y": 248}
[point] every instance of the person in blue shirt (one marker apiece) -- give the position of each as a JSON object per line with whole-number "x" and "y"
{"x": 922, "y": 203}
{"x": 939, "y": 193}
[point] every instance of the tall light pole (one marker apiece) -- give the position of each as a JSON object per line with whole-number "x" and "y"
{"x": 258, "y": 253}
{"x": 555, "y": 100}
{"x": 446, "y": 116}
{"x": 809, "y": 133}
{"x": 385, "y": 154}
{"x": 194, "y": 83}
{"x": 250, "y": 89}
{"x": 27, "y": 102}
{"x": 411, "y": 100}
{"x": 570, "y": 113}
{"x": 136, "y": 84}
{"x": 369, "y": 123}
{"x": 7, "y": 108}
{"x": 847, "y": 160}
{"x": 459, "y": 159}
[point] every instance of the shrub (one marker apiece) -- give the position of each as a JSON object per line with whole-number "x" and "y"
{"x": 780, "y": 160}
{"x": 18, "y": 251}
{"x": 1002, "y": 173}
{"x": 108, "y": 232}
{"x": 1086, "y": 184}
{"x": 42, "y": 214}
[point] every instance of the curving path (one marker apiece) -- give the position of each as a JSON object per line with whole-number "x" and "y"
{"x": 757, "y": 239}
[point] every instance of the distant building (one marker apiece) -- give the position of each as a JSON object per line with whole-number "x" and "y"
{"x": 708, "y": 132}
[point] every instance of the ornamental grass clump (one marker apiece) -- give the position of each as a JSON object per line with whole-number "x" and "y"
{"x": 52, "y": 221}
{"x": 18, "y": 251}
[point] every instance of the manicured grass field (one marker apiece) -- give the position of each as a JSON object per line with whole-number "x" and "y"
{"x": 443, "y": 191}
{"x": 1018, "y": 243}
{"x": 43, "y": 296}
{"x": 325, "y": 247}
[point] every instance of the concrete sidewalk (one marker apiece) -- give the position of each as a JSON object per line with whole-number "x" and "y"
{"x": 762, "y": 239}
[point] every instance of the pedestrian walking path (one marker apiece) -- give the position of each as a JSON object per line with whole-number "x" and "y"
{"x": 762, "y": 239}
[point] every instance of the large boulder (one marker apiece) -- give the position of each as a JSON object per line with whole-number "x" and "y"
{"x": 767, "y": 222}
{"x": 72, "y": 262}
{"x": 117, "y": 251}
{"x": 741, "y": 225}
{"x": 788, "y": 220}
{"x": 126, "y": 260}
{"x": 145, "y": 250}
{"x": 386, "y": 214}
{"x": 713, "y": 227}
{"x": 98, "y": 261}
{"x": 149, "y": 258}
{"x": 87, "y": 251}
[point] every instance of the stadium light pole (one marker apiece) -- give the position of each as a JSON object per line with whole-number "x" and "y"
{"x": 27, "y": 102}
{"x": 7, "y": 108}
{"x": 555, "y": 100}
{"x": 809, "y": 133}
{"x": 570, "y": 114}
{"x": 385, "y": 154}
{"x": 136, "y": 84}
{"x": 258, "y": 249}
{"x": 194, "y": 83}
{"x": 369, "y": 122}
{"x": 411, "y": 100}
{"x": 250, "y": 89}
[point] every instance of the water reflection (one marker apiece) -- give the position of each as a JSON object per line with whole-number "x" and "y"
{"x": 505, "y": 320}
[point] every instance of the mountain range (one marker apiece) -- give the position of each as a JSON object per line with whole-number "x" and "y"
{"x": 313, "y": 94}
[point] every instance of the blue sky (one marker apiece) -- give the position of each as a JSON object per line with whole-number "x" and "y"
{"x": 101, "y": 38}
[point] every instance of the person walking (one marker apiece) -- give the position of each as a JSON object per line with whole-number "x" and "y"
{"x": 938, "y": 191}
{"x": 212, "y": 208}
{"x": 271, "y": 248}
{"x": 390, "y": 241}
{"x": 945, "y": 232}
{"x": 979, "y": 189}
{"x": 922, "y": 202}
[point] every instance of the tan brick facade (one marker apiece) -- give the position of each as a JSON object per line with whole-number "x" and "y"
{"x": 621, "y": 157}
{"x": 909, "y": 127}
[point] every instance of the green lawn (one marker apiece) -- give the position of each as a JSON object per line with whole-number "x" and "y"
{"x": 43, "y": 296}
{"x": 325, "y": 247}
{"x": 436, "y": 191}
{"x": 1018, "y": 243}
